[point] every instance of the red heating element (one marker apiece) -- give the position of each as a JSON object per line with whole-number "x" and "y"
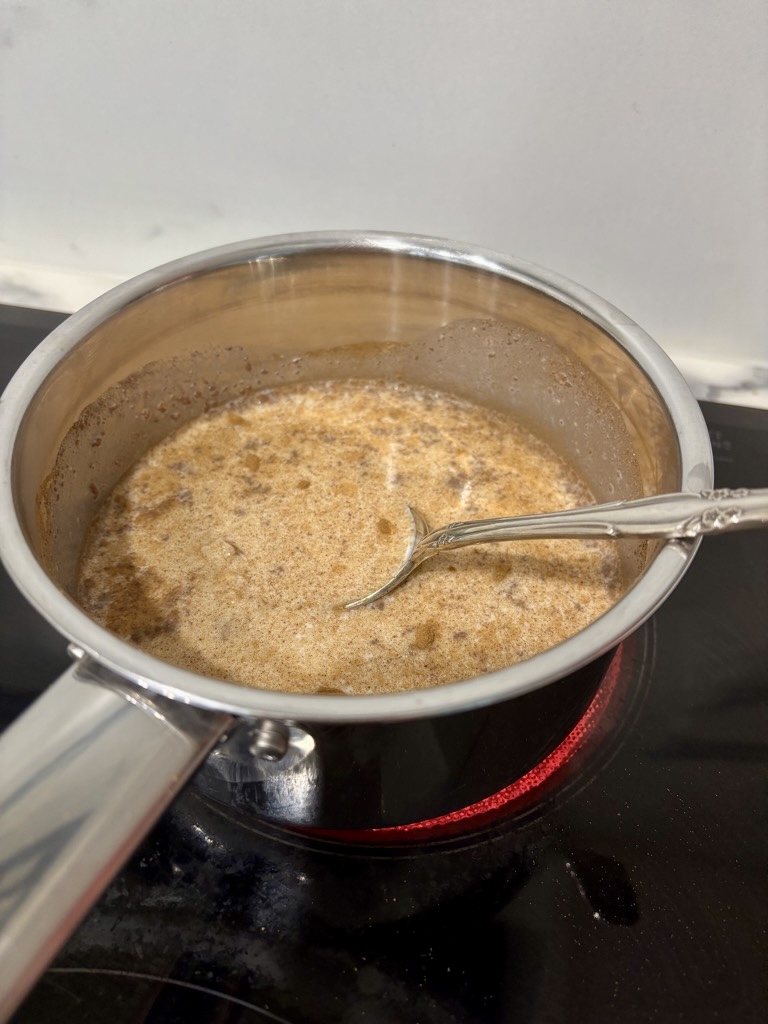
{"x": 512, "y": 798}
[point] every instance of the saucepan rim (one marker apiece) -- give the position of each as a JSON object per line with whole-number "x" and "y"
{"x": 86, "y": 636}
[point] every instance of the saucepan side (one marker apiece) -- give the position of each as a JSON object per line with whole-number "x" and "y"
{"x": 158, "y": 350}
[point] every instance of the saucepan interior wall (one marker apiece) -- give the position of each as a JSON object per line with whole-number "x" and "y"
{"x": 202, "y": 339}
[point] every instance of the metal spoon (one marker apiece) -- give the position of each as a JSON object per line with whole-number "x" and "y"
{"x": 669, "y": 516}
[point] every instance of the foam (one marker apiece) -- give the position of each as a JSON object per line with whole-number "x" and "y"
{"x": 232, "y": 547}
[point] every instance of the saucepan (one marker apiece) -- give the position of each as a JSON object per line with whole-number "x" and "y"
{"x": 88, "y": 769}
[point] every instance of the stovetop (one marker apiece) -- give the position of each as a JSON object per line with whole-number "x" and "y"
{"x": 635, "y": 892}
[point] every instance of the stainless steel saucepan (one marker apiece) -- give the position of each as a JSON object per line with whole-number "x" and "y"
{"x": 88, "y": 769}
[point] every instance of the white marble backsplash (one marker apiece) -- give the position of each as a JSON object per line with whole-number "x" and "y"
{"x": 622, "y": 145}
{"x": 732, "y": 383}
{"x": 54, "y": 288}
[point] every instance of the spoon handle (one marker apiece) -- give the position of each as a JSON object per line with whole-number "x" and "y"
{"x": 668, "y": 516}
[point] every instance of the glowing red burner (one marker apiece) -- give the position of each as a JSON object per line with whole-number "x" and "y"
{"x": 517, "y": 794}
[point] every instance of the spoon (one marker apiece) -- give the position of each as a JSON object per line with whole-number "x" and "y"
{"x": 669, "y": 516}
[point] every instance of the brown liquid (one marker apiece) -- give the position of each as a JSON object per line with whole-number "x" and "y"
{"x": 232, "y": 547}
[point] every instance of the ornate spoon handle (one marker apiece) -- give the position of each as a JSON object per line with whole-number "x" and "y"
{"x": 669, "y": 516}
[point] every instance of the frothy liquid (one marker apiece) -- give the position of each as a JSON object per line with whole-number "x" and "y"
{"x": 232, "y": 547}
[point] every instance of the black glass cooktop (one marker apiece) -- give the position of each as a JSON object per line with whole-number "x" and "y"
{"x": 635, "y": 892}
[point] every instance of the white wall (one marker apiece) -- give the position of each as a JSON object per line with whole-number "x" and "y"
{"x": 623, "y": 143}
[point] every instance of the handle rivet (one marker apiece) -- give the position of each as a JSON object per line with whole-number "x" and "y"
{"x": 270, "y": 741}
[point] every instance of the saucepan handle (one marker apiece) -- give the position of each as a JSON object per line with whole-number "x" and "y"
{"x": 84, "y": 774}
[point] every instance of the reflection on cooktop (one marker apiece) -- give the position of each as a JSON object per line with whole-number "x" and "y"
{"x": 143, "y": 997}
